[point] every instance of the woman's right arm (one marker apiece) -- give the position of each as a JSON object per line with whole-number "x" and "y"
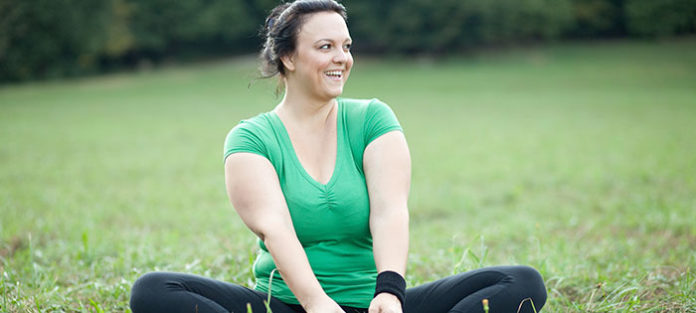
{"x": 254, "y": 190}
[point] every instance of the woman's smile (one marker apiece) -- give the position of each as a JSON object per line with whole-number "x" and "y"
{"x": 335, "y": 75}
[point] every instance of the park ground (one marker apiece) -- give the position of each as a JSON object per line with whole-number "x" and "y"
{"x": 577, "y": 159}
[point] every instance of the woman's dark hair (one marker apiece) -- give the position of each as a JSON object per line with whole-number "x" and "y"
{"x": 281, "y": 29}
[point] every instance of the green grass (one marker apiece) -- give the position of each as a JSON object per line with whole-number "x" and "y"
{"x": 577, "y": 159}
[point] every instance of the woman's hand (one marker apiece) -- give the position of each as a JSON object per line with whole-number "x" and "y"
{"x": 385, "y": 303}
{"x": 324, "y": 305}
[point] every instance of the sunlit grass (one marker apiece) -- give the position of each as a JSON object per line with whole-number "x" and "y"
{"x": 579, "y": 160}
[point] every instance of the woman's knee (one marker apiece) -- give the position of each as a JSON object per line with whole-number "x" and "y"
{"x": 146, "y": 289}
{"x": 149, "y": 281}
{"x": 531, "y": 283}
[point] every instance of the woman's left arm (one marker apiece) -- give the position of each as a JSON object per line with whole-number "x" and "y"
{"x": 387, "y": 166}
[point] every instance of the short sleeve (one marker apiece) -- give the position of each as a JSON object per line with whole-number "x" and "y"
{"x": 242, "y": 139}
{"x": 379, "y": 120}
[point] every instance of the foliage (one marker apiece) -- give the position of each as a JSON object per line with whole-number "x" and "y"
{"x": 598, "y": 18}
{"x": 451, "y": 25}
{"x": 661, "y": 18}
{"x": 53, "y": 38}
{"x": 163, "y": 27}
{"x": 46, "y": 38}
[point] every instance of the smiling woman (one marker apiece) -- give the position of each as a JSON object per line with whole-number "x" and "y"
{"x": 323, "y": 182}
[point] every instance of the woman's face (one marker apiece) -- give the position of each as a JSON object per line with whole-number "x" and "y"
{"x": 321, "y": 63}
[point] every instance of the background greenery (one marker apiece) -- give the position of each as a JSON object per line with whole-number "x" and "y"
{"x": 54, "y": 38}
{"x": 577, "y": 159}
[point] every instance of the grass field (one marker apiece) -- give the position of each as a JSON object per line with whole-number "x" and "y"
{"x": 577, "y": 159}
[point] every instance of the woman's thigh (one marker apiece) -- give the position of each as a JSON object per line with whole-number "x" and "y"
{"x": 178, "y": 292}
{"x": 506, "y": 287}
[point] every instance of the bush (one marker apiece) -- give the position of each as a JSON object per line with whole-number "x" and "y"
{"x": 661, "y": 18}
{"x": 447, "y": 25}
{"x": 164, "y": 27}
{"x": 49, "y": 38}
{"x": 52, "y": 38}
{"x": 598, "y": 18}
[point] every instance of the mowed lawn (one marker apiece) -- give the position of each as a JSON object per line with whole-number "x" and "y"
{"x": 577, "y": 159}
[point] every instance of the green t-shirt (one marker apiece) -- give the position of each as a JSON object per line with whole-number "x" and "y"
{"x": 331, "y": 220}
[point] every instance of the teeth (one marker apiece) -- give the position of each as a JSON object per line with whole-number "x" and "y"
{"x": 334, "y": 73}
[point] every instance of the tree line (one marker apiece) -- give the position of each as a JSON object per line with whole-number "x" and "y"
{"x": 57, "y": 38}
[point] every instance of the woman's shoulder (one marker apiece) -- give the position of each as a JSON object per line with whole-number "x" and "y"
{"x": 362, "y": 106}
{"x": 259, "y": 127}
{"x": 353, "y": 102}
{"x": 261, "y": 121}
{"x": 259, "y": 124}
{"x": 250, "y": 135}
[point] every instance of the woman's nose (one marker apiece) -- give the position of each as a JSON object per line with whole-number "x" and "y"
{"x": 341, "y": 56}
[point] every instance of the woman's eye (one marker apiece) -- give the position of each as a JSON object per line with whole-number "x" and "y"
{"x": 347, "y": 46}
{"x": 325, "y": 46}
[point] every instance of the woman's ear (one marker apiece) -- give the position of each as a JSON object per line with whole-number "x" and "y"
{"x": 288, "y": 62}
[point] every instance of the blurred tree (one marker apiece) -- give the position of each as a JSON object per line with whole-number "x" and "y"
{"x": 598, "y": 18}
{"x": 661, "y": 18}
{"x": 49, "y": 38}
{"x": 163, "y": 28}
{"x": 366, "y": 21}
{"x": 448, "y": 25}
{"x": 119, "y": 38}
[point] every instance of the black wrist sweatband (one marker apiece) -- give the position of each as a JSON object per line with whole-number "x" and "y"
{"x": 392, "y": 282}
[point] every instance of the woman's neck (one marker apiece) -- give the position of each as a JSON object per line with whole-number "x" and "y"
{"x": 311, "y": 114}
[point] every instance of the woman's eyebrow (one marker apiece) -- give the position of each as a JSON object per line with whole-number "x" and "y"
{"x": 331, "y": 40}
{"x": 324, "y": 39}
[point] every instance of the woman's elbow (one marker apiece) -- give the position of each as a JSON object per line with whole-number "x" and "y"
{"x": 271, "y": 230}
{"x": 388, "y": 215}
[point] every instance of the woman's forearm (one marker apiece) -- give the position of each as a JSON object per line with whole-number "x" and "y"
{"x": 389, "y": 227}
{"x": 292, "y": 263}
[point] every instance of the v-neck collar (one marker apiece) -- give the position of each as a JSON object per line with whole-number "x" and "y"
{"x": 285, "y": 137}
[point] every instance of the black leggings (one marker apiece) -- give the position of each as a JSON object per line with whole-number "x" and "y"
{"x": 508, "y": 289}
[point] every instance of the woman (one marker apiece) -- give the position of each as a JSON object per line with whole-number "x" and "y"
{"x": 323, "y": 182}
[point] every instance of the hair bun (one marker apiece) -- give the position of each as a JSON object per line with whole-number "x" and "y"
{"x": 269, "y": 23}
{"x": 275, "y": 14}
